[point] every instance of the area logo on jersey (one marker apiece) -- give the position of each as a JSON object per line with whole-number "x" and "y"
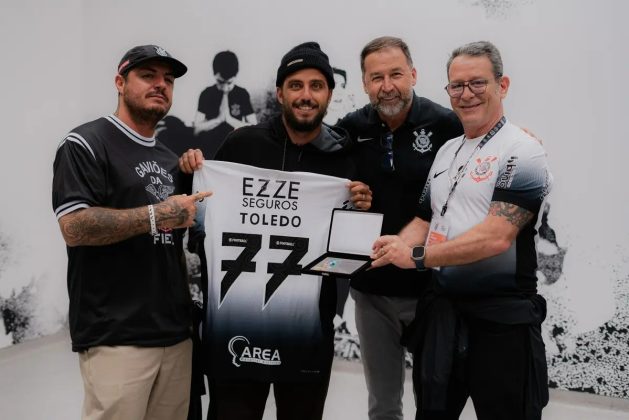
{"x": 235, "y": 110}
{"x": 162, "y": 52}
{"x": 483, "y": 171}
{"x": 242, "y": 352}
{"x": 161, "y": 192}
{"x": 422, "y": 142}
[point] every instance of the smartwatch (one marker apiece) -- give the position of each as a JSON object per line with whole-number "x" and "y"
{"x": 418, "y": 254}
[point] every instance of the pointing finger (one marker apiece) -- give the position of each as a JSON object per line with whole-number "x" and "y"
{"x": 200, "y": 196}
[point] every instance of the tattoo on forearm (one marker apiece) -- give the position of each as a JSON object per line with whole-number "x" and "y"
{"x": 517, "y": 216}
{"x": 172, "y": 213}
{"x": 101, "y": 226}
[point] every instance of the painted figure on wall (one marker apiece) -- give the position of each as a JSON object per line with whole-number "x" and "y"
{"x": 342, "y": 102}
{"x": 222, "y": 107}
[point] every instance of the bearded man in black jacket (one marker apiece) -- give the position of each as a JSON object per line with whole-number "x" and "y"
{"x": 294, "y": 140}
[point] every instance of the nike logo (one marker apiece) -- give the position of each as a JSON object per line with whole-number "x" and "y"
{"x": 438, "y": 173}
{"x": 362, "y": 139}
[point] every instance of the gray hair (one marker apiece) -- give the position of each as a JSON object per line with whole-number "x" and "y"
{"x": 480, "y": 49}
{"x": 382, "y": 43}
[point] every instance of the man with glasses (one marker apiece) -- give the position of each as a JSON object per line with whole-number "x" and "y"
{"x": 223, "y": 107}
{"x": 396, "y": 136}
{"x": 480, "y": 329}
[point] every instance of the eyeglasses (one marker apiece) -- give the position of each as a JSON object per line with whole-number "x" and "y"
{"x": 387, "y": 158}
{"x": 477, "y": 86}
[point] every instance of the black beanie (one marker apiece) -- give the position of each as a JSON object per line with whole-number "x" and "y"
{"x": 305, "y": 56}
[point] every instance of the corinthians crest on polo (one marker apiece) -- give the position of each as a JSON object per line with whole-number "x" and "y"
{"x": 422, "y": 143}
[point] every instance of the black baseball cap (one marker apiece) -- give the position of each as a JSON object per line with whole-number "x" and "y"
{"x": 140, "y": 54}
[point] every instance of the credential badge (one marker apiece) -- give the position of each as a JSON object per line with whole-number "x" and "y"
{"x": 422, "y": 142}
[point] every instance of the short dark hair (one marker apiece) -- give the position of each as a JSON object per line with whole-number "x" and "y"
{"x": 382, "y": 43}
{"x": 480, "y": 49}
{"x": 226, "y": 64}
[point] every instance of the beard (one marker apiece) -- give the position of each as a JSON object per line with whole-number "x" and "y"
{"x": 303, "y": 126}
{"x": 393, "y": 109}
{"x": 150, "y": 115}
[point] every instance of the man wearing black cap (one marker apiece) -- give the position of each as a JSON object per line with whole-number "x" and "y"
{"x": 294, "y": 140}
{"x": 114, "y": 197}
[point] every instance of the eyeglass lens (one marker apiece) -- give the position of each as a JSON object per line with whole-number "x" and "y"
{"x": 456, "y": 89}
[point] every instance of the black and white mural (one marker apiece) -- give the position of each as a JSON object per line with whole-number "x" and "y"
{"x": 565, "y": 62}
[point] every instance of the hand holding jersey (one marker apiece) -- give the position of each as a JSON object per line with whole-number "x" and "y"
{"x": 360, "y": 195}
{"x": 190, "y": 161}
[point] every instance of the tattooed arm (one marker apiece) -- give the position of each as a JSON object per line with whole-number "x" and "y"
{"x": 492, "y": 236}
{"x": 103, "y": 226}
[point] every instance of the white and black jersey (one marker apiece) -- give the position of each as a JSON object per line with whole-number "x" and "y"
{"x": 265, "y": 320}
{"x": 510, "y": 167}
{"x": 133, "y": 292}
{"x": 291, "y": 325}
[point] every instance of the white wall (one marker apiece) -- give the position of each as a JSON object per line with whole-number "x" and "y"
{"x": 567, "y": 61}
{"x": 41, "y": 79}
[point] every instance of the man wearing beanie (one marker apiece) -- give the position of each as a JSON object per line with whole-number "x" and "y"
{"x": 295, "y": 140}
{"x": 117, "y": 195}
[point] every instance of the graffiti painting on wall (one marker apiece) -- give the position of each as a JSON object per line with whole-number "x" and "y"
{"x": 497, "y": 8}
{"x": 596, "y": 361}
{"x": 16, "y": 308}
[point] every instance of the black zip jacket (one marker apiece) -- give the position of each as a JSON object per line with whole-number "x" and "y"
{"x": 266, "y": 145}
{"x": 396, "y": 193}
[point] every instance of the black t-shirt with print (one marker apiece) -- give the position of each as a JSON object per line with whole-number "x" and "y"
{"x": 133, "y": 292}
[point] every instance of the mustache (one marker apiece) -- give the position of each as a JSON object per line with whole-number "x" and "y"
{"x": 392, "y": 95}
{"x": 305, "y": 102}
{"x": 159, "y": 93}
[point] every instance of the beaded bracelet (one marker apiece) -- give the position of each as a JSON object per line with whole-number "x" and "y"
{"x": 152, "y": 220}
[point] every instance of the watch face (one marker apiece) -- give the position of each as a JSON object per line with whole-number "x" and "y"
{"x": 418, "y": 253}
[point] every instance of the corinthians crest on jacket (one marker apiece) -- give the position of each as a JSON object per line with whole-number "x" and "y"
{"x": 422, "y": 142}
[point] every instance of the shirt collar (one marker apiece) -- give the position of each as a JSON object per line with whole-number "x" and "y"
{"x": 129, "y": 132}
